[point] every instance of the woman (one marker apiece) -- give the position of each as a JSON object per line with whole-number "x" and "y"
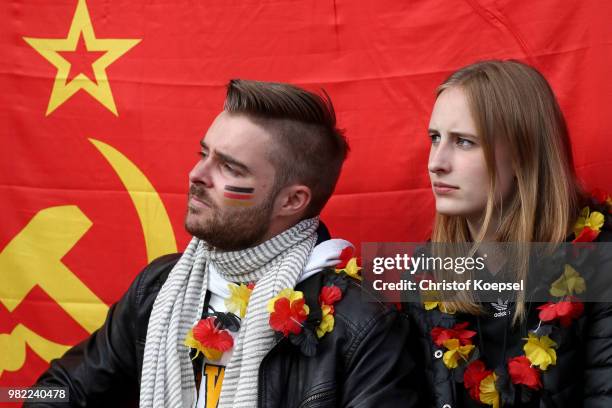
{"x": 501, "y": 170}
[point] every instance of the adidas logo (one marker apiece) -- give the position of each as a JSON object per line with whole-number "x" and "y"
{"x": 502, "y": 308}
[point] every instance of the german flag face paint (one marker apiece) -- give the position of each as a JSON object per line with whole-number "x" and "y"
{"x": 238, "y": 196}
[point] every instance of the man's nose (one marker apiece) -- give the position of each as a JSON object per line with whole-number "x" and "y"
{"x": 201, "y": 173}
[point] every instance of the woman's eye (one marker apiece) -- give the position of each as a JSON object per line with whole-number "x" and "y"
{"x": 461, "y": 142}
{"x": 435, "y": 138}
{"x": 202, "y": 154}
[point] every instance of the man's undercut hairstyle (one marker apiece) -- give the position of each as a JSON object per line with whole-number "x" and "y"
{"x": 307, "y": 146}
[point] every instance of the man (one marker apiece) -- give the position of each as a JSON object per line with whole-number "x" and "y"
{"x": 254, "y": 295}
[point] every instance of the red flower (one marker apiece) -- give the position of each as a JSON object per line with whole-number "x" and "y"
{"x": 330, "y": 295}
{"x": 251, "y": 285}
{"x": 587, "y": 235}
{"x": 345, "y": 256}
{"x": 521, "y": 372}
{"x": 565, "y": 311}
{"x": 473, "y": 375}
{"x": 440, "y": 334}
{"x": 207, "y": 333}
{"x": 288, "y": 316}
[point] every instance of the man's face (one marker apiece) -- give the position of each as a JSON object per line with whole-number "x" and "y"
{"x": 230, "y": 188}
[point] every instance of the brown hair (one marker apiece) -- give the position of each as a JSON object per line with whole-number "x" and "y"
{"x": 309, "y": 148}
{"x": 512, "y": 103}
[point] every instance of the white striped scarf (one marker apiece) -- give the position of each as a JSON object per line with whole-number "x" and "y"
{"x": 167, "y": 373}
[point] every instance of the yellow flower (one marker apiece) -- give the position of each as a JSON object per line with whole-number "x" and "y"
{"x": 290, "y": 294}
{"x": 327, "y": 322}
{"x": 569, "y": 283}
{"x": 209, "y": 353}
{"x": 540, "y": 351}
{"x": 443, "y": 306}
{"x": 432, "y": 304}
{"x": 351, "y": 269}
{"x": 239, "y": 299}
{"x": 455, "y": 352}
{"x": 488, "y": 392}
{"x": 593, "y": 220}
{"x": 190, "y": 341}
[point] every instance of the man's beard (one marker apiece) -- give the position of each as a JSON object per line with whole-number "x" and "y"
{"x": 227, "y": 229}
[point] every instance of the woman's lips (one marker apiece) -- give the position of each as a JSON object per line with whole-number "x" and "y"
{"x": 443, "y": 188}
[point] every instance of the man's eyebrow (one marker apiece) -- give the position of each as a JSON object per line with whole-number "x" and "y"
{"x": 227, "y": 158}
{"x": 232, "y": 161}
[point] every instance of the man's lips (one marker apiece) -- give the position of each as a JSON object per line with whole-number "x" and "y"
{"x": 198, "y": 202}
{"x": 198, "y": 196}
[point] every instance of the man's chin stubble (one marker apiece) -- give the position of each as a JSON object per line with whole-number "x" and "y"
{"x": 191, "y": 225}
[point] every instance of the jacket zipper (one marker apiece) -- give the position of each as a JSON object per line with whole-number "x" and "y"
{"x": 315, "y": 397}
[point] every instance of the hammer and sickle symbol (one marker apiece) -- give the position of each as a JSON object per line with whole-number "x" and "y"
{"x": 34, "y": 257}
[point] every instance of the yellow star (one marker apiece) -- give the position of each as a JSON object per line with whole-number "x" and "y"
{"x": 99, "y": 89}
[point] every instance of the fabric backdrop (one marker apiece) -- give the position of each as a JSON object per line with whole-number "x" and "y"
{"x": 102, "y": 105}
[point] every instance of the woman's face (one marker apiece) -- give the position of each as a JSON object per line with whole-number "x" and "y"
{"x": 457, "y": 166}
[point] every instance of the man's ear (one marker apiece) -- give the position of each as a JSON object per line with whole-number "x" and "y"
{"x": 293, "y": 200}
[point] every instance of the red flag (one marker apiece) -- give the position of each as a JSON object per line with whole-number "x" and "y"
{"x": 104, "y": 103}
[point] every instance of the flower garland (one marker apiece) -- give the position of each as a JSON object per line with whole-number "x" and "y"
{"x": 484, "y": 385}
{"x": 239, "y": 298}
{"x": 209, "y": 338}
{"x": 288, "y": 310}
{"x": 211, "y": 335}
{"x": 349, "y": 265}
{"x": 290, "y": 316}
{"x": 328, "y": 297}
{"x": 433, "y": 304}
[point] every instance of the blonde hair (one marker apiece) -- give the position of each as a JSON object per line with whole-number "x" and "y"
{"x": 512, "y": 103}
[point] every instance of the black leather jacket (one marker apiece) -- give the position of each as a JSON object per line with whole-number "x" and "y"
{"x": 363, "y": 362}
{"x": 581, "y": 377}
